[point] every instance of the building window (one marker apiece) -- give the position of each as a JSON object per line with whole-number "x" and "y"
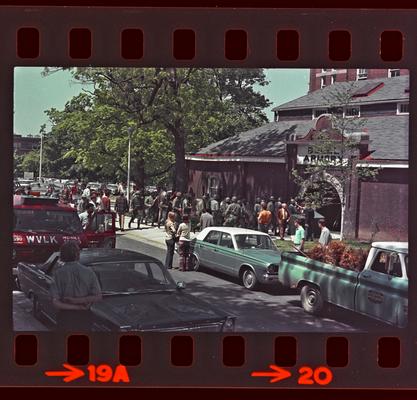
{"x": 402, "y": 108}
{"x": 213, "y": 186}
{"x": 319, "y": 111}
{"x": 322, "y": 82}
{"x": 352, "y": 112}
{"x": 393, "y": 72}
{"x": 361, "y": 73}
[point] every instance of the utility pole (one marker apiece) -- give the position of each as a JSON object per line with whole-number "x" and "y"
{"x": 40, "y": 157}
{"x": 128, "y": 164}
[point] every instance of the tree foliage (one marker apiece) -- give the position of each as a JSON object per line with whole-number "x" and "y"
{"x": 168, "y": 112}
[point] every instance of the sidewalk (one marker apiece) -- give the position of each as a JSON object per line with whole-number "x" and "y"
{"x": 153, "y": 235}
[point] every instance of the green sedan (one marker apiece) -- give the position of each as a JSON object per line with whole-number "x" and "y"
{"x": 248, "y": 255}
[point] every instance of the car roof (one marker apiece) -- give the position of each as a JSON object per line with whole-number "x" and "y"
{"x": 401, "y": 247}
{"x": 97, "y": 255}
{"x": 231, "y": 230}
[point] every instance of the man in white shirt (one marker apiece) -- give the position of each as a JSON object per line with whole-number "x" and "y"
{"x": 325, "y": 236}
{"x": 87, "y": 216}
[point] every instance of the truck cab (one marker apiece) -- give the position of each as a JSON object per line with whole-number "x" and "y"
{"x": 382, "y": 289}
{"x": 42, "y": 225}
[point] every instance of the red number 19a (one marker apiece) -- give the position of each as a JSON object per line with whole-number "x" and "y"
{"x": 104, "y": 373}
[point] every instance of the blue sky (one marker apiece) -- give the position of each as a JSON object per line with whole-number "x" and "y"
{"x": 33, "y": 94}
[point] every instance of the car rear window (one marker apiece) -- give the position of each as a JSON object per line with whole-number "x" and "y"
{"x": 32, "y": 220}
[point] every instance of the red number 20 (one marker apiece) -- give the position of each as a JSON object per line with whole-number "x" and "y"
{"x": 309, "y": 376}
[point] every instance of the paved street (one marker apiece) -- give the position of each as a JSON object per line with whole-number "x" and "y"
{"x": 269, "y": 309}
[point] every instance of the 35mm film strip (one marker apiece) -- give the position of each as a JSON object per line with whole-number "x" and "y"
{"x": 208, "y": 38}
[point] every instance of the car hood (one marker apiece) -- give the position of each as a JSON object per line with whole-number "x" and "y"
{"x": 155, "y": 310}
{"x": 267, "y": 256}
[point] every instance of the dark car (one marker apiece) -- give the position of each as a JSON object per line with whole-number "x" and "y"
{"x": 138, "y": 292}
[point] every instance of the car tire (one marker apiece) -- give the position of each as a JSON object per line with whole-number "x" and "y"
{"x": 311, "y": 299}
{"x": 195, "y": 263}
{"x": 249, "y": 279}
{"x": 108, "y": 244}
{"x": 36, "y": 309}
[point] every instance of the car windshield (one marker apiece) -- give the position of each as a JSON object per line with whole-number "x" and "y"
{"x": 32, "y": 220}
{"x": 254, "y": 241}
{"x": 132, "y": 277}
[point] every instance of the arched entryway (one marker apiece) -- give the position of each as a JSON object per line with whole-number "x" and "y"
{"x": 326, "y": 189}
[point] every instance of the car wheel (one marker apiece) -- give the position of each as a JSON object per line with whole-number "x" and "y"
{"x": 249, "y": 279}
{"x": 195, "y": 263}
{"x": 36, "y": 309}
{"x": 311, "y": 299}
{"x": 108, "y": 243}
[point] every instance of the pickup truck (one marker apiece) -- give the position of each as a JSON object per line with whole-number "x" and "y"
{"x": 379, "y": 291}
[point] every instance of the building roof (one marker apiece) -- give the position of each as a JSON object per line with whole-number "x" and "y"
{"x": 388, "y": 136}
{"x": 267, "y": 140}
{"x": 393, "y": 89}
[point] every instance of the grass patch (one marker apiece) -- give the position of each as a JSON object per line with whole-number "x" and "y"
{"x": 286, "y": 245}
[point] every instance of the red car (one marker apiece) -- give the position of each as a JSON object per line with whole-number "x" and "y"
{"x": 42, "y": 224}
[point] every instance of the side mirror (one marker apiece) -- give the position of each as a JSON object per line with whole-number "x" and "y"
{"x": 181, "y": 285}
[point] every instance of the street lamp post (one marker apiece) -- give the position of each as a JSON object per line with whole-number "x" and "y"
{"x": 128, "y": 163}
{"x": 40, "y": 158}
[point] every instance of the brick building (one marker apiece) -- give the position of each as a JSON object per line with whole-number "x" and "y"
{"x": 322, "y": 77}
{"x": 25, "y": 144}
{"x": 260, "y": 162}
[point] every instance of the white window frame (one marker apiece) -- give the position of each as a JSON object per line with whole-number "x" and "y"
{"x": 351, "y": 116}
{"x": 322, "y": 82}
{"x": 326, "y": 111}
{"x": 360, "y": 74}
{"x": 399, "y": 112}
{"x": 390, "y": 71}
{"x": 332, "y": 79}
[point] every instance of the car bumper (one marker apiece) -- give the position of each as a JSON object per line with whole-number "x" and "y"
{"x": 269, "y": 278}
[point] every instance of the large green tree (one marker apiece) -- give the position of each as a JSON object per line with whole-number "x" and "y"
{"x": 168, "y": 112}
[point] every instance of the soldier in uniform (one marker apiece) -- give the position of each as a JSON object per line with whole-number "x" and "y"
{"x": 223, "y": 207}
{"x": 233, "y": 213}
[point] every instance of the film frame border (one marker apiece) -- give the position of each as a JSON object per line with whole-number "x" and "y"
{"x": 209, "y": 25}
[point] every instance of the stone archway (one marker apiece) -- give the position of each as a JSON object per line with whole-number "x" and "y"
{"x": 333, "y": 211}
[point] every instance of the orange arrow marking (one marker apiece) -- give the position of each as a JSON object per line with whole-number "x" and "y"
{"x": 277, "y": 373}
{"x": 71, "y": 374}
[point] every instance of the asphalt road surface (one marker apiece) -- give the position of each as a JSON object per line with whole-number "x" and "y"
{"x": 267, "y": 310}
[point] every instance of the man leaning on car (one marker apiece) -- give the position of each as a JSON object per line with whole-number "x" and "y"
{"x": 74, "y": 288}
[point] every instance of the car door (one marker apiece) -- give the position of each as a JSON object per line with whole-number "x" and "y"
{"x": 207, "y": 249}
{"x": 101, "y": 231}
{"x": 226, "y": 255}
{"x": 382, "y": 289}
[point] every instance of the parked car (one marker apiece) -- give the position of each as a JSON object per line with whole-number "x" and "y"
{"x": 379, "y": 291}
{"x": 248, "y": 255}
{"x": 113, "y": 188}
{"x": 138, "y": 292}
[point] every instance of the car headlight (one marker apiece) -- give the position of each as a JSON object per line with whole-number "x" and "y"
{"x": 229, "y": 325}
{"x": 272, "y": 269}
